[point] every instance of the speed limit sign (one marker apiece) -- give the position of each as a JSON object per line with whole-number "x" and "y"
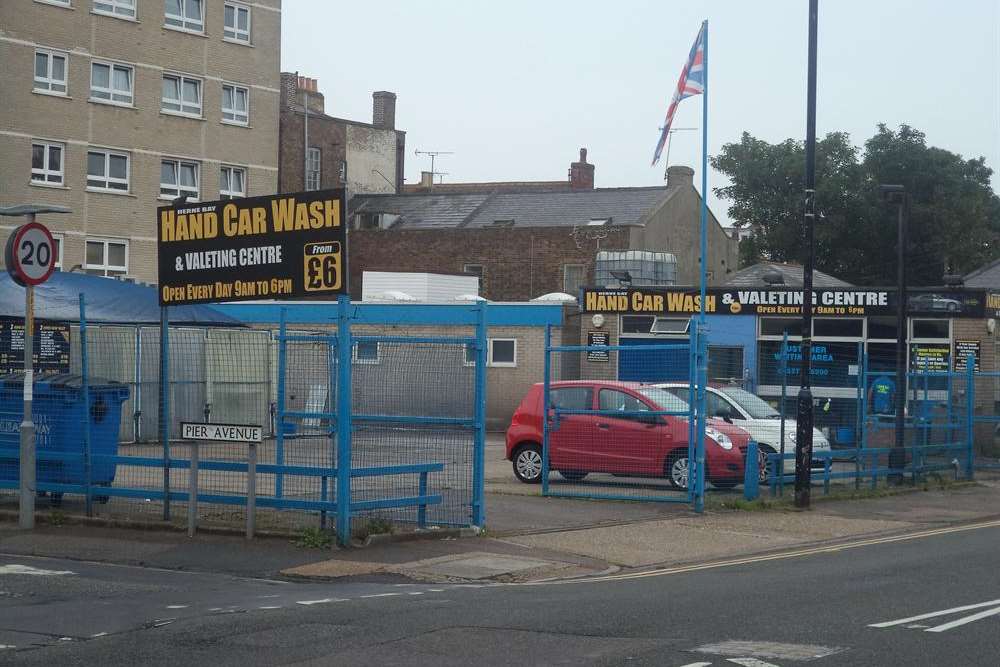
{"x": 30, "y": 254}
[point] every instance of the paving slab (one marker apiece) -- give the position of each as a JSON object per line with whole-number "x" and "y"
{"x": 477, "y": 566}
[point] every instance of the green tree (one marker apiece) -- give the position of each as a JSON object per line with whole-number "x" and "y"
{"x": 954, "y": 215}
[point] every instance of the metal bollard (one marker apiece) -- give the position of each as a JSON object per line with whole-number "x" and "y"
{"x": 193, "y": 490}
{"x": 422, "y": 511}
{"x": 751, "y": 472}
{"x": 251, "y": 489}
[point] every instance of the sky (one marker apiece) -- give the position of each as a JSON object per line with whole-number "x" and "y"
{"x": 516, "y": 88}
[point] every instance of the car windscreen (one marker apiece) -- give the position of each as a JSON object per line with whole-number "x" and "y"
{"x": 664, "y": 399}
{"x": 754, "y": 405}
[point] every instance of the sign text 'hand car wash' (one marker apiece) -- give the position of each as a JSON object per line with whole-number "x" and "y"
{"x": 286, "y": 246}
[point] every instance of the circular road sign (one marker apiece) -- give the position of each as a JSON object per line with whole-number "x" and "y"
{"x": 31, "y": 254}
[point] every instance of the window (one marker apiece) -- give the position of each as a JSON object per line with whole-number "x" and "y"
{"x": 115, "y": 7}
{"x": 619, "y": 401}
{"x": 107, "y": 170}
{"x": 939, "y": 329}
{"x": 777, "y": 326}
{"x": 232, "y": 183}
{"x": 237, "y": 24}
{"x": 111, "y": 82}
{"x": 50, "y": 71}
{"x": 475, "y": 269}
{"x": 637, "y": 323}
{"x": 184, "y": 14}
{"x": 574, "y": 277}
{"x": 470, "y": 355}
{"x": 503, "y": 352}
{"x": 181, "y": 94}
{"x": 572, "y": 398}
{"x": 312, "y": 168}
{"x": 47, "y": 162}
{"x": 178, "y": 177}
{"x": 882, "y": 327}
{"x": 235, "y": 104}
{"x": 366, "y": 352}
{"x": 838, "y": 327}
{"x": 665, "y": 325}
{"x": 725, "y": 363}
{"x": 58, "y": 238}
{"x": 106, "y": 257}
{"x": 343, "y": 171}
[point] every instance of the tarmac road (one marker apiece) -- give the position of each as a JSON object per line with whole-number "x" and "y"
{"x": 783, "y": 609}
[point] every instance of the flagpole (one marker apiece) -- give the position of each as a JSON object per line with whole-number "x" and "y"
{"x": 702, "y": 369}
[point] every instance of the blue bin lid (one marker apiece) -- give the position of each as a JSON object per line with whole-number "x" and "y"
{"x": 72, "y": 381}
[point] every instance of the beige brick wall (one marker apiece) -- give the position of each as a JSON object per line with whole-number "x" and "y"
{"x": 144, "y": 131}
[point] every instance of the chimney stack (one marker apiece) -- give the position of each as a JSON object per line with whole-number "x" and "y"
{"x": 384, "y": 109}
{"x": 679, "y": 176}
{"x": 581, "y": 174}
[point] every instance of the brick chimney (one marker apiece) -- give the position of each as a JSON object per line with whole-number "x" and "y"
{"x": 384, "y": 109}
{"x": 679, "y": 176}
{"x": 426, "y": 179}
{"x": 581, "y": 174}
{"x": 296, "y": 89}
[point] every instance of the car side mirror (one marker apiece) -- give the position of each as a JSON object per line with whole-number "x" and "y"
{"x": 727, "y": 417}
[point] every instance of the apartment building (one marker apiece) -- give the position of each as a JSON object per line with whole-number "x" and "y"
{"x": 114, "y": 107}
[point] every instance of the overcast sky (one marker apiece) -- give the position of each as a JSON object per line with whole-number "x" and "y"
{"x": 515, "y": 88}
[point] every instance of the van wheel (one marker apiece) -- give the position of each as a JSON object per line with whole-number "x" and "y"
{"x": 572, "y": 475}
{"x": 528, "y": 464}
{"x": 676, "y": 470}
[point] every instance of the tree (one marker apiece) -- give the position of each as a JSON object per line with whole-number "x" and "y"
{"x": 954, "y": 215}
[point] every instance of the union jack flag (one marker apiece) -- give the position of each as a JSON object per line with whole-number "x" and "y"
{"x": 692, "y": 82}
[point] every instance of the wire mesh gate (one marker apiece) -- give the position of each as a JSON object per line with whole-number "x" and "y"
{"x": 621, "y": 439}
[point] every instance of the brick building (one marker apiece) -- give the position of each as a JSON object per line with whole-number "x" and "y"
{"x": 362, "y": 157}
{"x": 114, "y": 108}
{"x": 524, "y": 240}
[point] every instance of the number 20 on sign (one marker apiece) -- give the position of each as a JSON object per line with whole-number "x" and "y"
{"x": 322, "y": 266}
{"x": 30, "y": 254}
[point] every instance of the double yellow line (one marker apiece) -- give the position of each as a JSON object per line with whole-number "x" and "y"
{"x": 800, "y": 553}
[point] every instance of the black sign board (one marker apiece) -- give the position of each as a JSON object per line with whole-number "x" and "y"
{"x": 964, "y": 348}
{"x": 786, "y": 302}
{"x": 51, "y": 346}
{"x": 598, "y": 338}
{"x": 287, "y": 246}
{"x": 929, "y": 357}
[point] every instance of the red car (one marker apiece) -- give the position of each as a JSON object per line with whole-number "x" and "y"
{"x": 633, "y": 445}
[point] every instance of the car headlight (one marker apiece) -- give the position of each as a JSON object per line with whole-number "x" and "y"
{"x": 719, "y": 437}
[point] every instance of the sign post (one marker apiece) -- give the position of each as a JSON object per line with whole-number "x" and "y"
{"x": 30, "y": 259}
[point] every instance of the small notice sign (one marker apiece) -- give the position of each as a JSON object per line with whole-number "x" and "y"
{"x": 221, "y": 432}
{"x": 597, "y": 338}
{"x": 963, "y": 348}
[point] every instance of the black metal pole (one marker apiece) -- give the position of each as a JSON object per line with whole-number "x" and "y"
{"x": 804, "y": 421}
{"x": 898, "y": 458}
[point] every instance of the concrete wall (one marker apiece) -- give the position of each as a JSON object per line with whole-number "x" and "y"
{"x": 370, "y": 149}
{"x": 142, "y": 129}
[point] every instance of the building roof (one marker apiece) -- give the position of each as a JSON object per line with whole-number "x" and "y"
{"x": 621, "y": 206}
{"x": 753, "y": 276}
{"x": 985, "y": 276}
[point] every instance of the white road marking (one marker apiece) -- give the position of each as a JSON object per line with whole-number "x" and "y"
{"x": 750, "y": 662}
{"x": 16, "y": 568}
{"x": 962, "y": 621}
{"x": 416, "y": 593}
{"x": 3, "y": 646}
{"x": 216, "y": 609}
{"x": 697, "y": 664}
{"x": 380, "y": 595}
{"x": 323, "y": 601}
{"x": 268, "y": 596}
{"x": 277, "y": 607}
{"x": 99, "y": 634}
{"x": 934, "y": 614}
{"x": 177, "y": 606}
{"x": 65, "y": 639}
{"x": 436, "y": 590}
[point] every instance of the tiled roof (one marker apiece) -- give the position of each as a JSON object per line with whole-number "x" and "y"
{"x": 985, "y": 276}
{"x": 753, "y": 276}
{"x": 624, "y": 207}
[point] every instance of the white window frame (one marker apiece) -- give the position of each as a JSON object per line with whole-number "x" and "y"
{"x": 502, "y": 364}
{"x": 193, "y": 195}
{"x": 107, "y": 178}
{"x": 314, "y": 158}
{"x": 111, "y": 91}
{"x": 45, "y": 172}
{"x": 182, "y": 22}
{"x": 57, "y": 3}
{"x": 183, "y": 108}
{"x": 480, "y": 274}
{"x": 105, "y": 267}
{"x": 566, "y": 268}
{"x": 60, "y": 240}
{"x": 44, "y": 84}
{"x": 119, "y": 9}
{"x": 367, "y": 360}
{"x": 233, "y": 111}
{"x": 469, "y": 347}
{"x": 229, "y": 193}
{"x": 234, "y": 33}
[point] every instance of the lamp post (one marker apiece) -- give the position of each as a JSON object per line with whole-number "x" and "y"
{"x": 897, "y": 194}
{"x": 804, "y": 422}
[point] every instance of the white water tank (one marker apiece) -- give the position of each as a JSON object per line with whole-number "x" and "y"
{"x": 646, "y": 268}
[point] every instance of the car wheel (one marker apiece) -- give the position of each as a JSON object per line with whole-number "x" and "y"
{"x": 528, "y": 464}
{"x": 762, "y": 453}
{"x": 572, "y": 475}
{"x": 676, "y": 470}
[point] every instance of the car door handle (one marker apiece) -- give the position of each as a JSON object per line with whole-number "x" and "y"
{"x": 603, "y": 425}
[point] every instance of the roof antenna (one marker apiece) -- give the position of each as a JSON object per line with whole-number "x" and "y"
{"x": 433, "y": 155}
{"x": 666, "y": 158}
